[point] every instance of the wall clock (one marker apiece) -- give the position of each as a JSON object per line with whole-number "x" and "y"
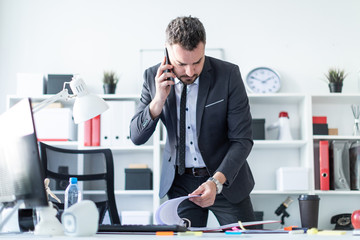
{"x": 263, "y": 80}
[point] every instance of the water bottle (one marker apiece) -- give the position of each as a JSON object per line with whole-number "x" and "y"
{"x": 72, "y": 193}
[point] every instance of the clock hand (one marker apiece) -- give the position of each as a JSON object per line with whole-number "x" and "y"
{"x": 264, "y": 81}
{"x": 256, "y": 78}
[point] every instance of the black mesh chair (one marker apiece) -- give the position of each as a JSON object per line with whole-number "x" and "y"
{"x": 93, "y": 167}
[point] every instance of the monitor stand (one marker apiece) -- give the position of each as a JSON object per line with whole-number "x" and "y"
{"x": 8, "y": 216}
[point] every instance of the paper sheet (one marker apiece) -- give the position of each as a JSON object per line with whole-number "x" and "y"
{"x": 167, "y": 212}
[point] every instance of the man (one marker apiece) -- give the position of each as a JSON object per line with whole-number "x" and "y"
{"x": 217, "y": 133}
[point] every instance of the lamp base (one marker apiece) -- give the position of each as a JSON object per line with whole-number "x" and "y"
{"x": 48, "y": 224}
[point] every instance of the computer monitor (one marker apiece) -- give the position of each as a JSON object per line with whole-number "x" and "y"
{"x": 21, "y": 174}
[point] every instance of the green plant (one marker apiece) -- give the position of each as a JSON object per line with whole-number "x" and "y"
{"x": 110, "y": 78}
{"x": 335, "y": 75}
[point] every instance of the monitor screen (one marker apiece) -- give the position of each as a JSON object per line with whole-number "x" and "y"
{"x": 21, "y": 174}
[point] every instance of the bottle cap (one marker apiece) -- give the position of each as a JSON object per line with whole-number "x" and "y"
{"x": 283, "y": 114}
{"x": 73, "y": 180}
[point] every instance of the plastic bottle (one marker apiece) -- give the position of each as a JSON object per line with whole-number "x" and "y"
{"x": 283, "y": 124}
{"x": 72, "y": 193}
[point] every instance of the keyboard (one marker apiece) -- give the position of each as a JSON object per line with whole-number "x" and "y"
{"x": 104, "y": 228}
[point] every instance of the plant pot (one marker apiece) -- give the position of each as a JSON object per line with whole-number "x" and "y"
{"x": 335, "y": 87}
{"x": 109, "y": 88}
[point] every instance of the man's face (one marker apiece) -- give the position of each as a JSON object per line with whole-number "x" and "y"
{"x": 187, "y": 64}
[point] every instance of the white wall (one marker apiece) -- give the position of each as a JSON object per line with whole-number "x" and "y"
{"x": 301, "y": 39}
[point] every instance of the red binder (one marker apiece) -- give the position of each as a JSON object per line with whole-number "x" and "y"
{"x": 95, "y": 139}
{"x": 324, "y": 165}
{"x": 87, "y": 132}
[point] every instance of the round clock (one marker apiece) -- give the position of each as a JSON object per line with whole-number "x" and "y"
{"x": 263, "y": 80}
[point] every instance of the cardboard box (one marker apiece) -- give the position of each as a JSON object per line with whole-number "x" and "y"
{"x": 135, "y": 217}
{"x": 138, "y": 179}
{"x": 292, "y": 178}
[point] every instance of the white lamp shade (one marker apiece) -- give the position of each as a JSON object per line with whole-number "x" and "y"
{"x": 87, "y": 107}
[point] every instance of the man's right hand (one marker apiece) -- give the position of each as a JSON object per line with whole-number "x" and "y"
{"x": 163, "y": 87}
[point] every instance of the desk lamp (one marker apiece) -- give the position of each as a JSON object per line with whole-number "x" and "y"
{"x": 86, "y": 105}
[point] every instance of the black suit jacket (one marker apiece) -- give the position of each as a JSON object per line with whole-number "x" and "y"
{"x": 223, "y": 123}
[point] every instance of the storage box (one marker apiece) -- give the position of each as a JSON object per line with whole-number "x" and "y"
{"x": 320, "y": 129}
{"x": 135, "y": 217}
{"x": 55, "y": 83}
{"x": 258, "y": 128}
{"x": 138, "y": 179}
{"x": 292, "y": 178}
{"x": 55, "y": 124}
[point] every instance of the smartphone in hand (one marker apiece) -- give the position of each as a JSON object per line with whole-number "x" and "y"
{"x": 167, "y": 61}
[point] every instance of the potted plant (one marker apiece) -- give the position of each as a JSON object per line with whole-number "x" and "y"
{"x": 109, "y": 82}
{"x": 335, "y": 79}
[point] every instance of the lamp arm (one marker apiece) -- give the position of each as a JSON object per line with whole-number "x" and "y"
{"x": 64, "y": 95}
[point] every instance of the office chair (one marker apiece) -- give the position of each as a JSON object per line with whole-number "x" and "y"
{"x": 96, "y": 172}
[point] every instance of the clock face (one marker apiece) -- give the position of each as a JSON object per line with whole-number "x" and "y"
{"x": 263, "y": 80}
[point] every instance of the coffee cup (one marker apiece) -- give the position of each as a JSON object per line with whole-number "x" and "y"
{"x": 309, "y": 210}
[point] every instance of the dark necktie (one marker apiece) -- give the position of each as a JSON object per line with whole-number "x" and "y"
{"x": 181, "y": 167}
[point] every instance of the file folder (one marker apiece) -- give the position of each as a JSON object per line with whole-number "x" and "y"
{"x": 324, "y": 165}
{"x": 115, "y": 124}
{"x": 340, "y": 166}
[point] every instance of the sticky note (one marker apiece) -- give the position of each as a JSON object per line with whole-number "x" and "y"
{"x": 190, "y": 233}
{"x": 164, "y": 233}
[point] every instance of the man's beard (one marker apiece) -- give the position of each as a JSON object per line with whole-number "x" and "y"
{"x": 188, "y": 80}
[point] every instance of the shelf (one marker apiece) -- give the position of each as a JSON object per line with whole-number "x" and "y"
{"x": 134, "y": 192}
{"x": 122, "y": 149}
{"x": 335, "y": 137}
{"x": 276, "y": 192}
{"x": 264, "y": 144}
{"x": 335, "y": 98}
{"x": 117, "y": 192}
{"x": 276, "y": 98}
{"x": 336, "y": 192}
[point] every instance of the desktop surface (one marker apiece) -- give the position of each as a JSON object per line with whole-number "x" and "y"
{"x": 217, "y": 235}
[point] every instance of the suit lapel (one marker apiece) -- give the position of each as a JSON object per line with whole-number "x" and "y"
{"x": 204, "y": 85}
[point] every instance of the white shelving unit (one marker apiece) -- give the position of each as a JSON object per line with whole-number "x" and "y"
{"x": 266, "y": 157}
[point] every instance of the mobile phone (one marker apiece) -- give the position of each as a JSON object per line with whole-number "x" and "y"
{"x": 167, "y": 61}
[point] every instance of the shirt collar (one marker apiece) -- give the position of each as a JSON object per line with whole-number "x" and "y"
{"x": 177, "y": 81}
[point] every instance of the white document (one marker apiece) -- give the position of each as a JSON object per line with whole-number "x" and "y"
{"x": 167, "y": 214}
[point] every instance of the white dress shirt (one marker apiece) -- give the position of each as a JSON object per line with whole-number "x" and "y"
{"x": 193, "y": 157}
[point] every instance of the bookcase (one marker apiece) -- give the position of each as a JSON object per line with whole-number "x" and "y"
{"x": 266, "y": 157}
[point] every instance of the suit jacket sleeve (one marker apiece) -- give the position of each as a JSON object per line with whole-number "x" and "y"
{"x": 239, "y": 129}
{"x": 142, "y": 126}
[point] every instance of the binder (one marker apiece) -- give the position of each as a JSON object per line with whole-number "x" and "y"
{"x": 87, "y": 132}
{"x": 339, "y": 166}
{"x": 115, "y": 124}
{"x": 324, "y": 165}
{"x": 95, "y": 134}
{"x": 316, "y": 165}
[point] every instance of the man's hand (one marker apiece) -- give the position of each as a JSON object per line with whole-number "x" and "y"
{"x": 163, "y": 88}
{"x": 207, "y": 190}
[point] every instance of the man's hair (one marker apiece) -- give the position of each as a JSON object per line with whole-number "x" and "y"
{"x": 186, "y": 31}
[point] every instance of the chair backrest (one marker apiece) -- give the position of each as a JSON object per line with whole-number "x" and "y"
{"x": 93, "y": 167}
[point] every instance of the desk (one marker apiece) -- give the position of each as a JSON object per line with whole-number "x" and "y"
{"x": 204, "y": 236}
